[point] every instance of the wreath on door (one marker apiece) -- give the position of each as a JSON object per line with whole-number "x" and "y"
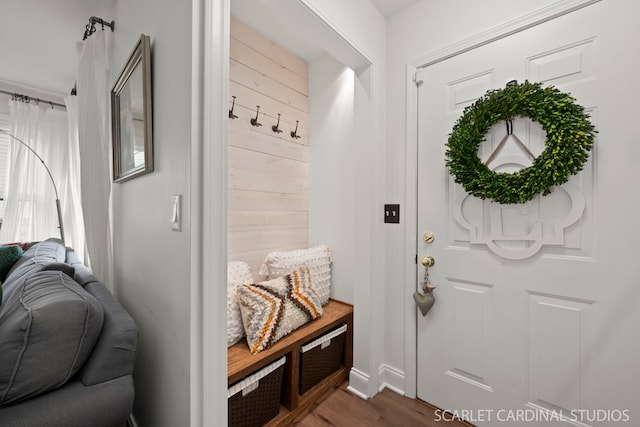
{"x": 570, "y": 137}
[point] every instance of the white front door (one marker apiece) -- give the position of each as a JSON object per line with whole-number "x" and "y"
{"x": 537, "y": 312}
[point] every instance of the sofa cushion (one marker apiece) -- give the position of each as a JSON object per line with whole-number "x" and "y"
{"x": 238, "y": 273}
{"x": 38, "y": 255}
{"x": 67, "y": 269}
{"x": 271, "y": 310}
{"x": 317, "y": 258}
{"x": 48, "y": 326}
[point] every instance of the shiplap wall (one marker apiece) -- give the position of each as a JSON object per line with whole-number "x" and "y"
{"x": 268, "y": 171}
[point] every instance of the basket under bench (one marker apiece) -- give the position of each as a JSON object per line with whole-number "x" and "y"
{"x": 241, "y": 363}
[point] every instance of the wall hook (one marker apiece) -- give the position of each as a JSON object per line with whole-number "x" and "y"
{"x": 233, "y": 105}
{"x": 254, "y": 121}
{"x": 294, "y": 133}
{"x": 276, "y": 127}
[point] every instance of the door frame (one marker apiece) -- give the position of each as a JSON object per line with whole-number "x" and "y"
{"x": 555, "y": 10}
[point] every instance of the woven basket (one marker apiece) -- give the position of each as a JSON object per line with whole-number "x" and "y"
{"x": 321, "y": 357}
{"x": 255, "y": 400}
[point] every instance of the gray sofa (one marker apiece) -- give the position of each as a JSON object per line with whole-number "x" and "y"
{"x": 67, "y": 347}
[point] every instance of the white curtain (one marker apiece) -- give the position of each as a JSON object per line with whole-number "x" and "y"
{"x": 94, "y": 141}
{"x": 73, "y": 217}
{"x": 31, "y": 213}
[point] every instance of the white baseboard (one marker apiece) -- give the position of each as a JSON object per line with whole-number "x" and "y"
{"x": 358, "y": 383}
{"x": 391, "y": 378}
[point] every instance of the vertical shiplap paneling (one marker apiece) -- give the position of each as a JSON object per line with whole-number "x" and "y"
{"x": 268, "y": 171}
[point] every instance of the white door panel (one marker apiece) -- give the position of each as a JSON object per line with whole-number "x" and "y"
{"x": 533, "y": 302}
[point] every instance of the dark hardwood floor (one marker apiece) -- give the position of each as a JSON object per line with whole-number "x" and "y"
{"x": 386, "y": 409}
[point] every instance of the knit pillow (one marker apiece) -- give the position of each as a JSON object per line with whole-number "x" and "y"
{"x": 272, "y": 309}
{"x": 317, "y": 258}
{"x": 238, "y": 273}
{"x": 9, "y": 255}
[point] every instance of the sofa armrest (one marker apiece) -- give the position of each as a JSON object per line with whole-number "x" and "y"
{"x": 82, "y": 275}
{"x": 115, "y": 352}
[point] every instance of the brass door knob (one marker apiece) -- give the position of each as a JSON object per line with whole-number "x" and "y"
{"x": 428, "y": 261}
{"x": 428, "y": 237}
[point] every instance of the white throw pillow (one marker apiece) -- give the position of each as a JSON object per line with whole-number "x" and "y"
{"x": 238, "y": 274}
{"x": 317, "y": 259}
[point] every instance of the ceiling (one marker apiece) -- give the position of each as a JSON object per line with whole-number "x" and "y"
{"x": 39, "y": 37}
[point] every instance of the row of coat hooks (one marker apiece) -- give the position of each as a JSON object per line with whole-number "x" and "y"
{"x": 254, "y": 121}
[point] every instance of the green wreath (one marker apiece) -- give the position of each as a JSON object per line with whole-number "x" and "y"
{"x": 570, "y": 137}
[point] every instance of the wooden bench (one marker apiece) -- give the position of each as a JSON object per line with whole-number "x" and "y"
{"x": 242, "y": 363}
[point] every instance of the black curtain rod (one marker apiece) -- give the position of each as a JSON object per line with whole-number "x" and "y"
{"x": 91, "y": 26}
{"x": 27, "y": 98}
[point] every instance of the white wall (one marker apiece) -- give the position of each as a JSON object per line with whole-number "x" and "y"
{"x": 426, "y": 27}
{"x": 331, "y": 173}
{"x": 152, "y": 263}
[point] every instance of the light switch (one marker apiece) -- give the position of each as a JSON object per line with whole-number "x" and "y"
{"x": 392, "y": 214}
{"x": 176, "y": 212}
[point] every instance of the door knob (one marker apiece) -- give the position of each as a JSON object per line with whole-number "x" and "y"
{"x": 428, "y": 261}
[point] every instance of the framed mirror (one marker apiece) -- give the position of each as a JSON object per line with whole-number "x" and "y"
{"x": 131, "y": 115}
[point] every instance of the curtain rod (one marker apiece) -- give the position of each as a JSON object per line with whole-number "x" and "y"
{"x": 91, "y": 26}
{"x": 37, "y": 100}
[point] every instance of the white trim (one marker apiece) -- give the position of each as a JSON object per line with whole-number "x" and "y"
{"x": 366, "y": 60}
{"x": 195, "y": 330}
{"x": 522, "y": 23}
{"x": 358, "y": 383}
{"x": 530, "y": 20}
{"x": 209, "y": 134}
{"x": 411, "y": 232}
{"x": 391, "y": 378}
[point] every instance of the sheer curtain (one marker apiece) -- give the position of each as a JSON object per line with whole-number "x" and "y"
{"x": 30, "y": 197}
{"x": 71, "y": 187}
{"x": 94, "y": 142}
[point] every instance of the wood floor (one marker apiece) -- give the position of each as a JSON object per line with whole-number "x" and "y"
{"x": 386, "y": 409}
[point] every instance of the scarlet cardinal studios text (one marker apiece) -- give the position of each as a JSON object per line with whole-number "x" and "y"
{"x": 533, "y": 415}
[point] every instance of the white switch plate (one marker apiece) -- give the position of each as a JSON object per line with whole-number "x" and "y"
{"x": 176, "y": 212}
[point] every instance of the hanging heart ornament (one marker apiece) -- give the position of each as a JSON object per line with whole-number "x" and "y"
{"x": 425, "y": 301}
